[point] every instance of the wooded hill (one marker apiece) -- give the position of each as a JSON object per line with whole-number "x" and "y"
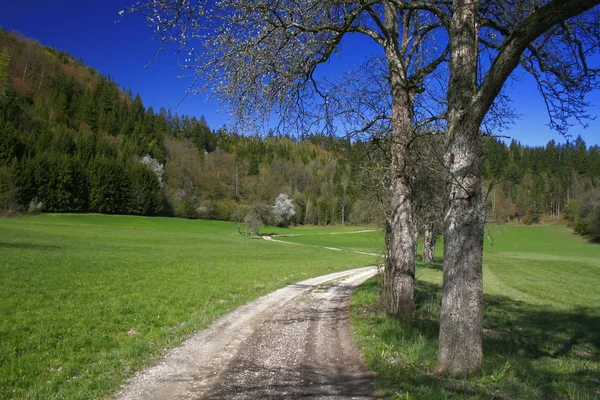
{"x": 72, "y": 140}
{"x": 532, "y": 183}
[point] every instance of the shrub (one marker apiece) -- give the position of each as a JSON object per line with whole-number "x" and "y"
{"x": 283, "y": 210}
{"x": 35, "y": 206}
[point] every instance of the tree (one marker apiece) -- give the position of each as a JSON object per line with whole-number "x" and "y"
{"x": 145, "y": 196}
{"x": 155, "y": 166}
{"x": 283, "y": 210}
{"x": 427, "y": 184}
{"x": 258, "y": 214}
{"x": 4, "y": 69}
{"x": 493, "y": 233}
{"x": 261, "y": 57}
{"x": 551, "y": 43}
{"x": 109, "y": 186}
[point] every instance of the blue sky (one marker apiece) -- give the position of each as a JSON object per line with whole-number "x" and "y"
{"x": 87, "y": 29}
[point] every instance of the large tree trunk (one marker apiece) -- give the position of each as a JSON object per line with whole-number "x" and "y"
{"x": 399, "y": 277}
{"x": 429, "y": 239}
{"x": 461, "y": 319}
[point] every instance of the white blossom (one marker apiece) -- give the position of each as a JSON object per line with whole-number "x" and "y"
{"x": 283, "y": 209}
{"x": 155, "y": 166}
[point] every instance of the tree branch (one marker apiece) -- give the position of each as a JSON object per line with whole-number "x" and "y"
{"x": 510, "y": 53}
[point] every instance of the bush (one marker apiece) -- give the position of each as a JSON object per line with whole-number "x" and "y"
{"x": 35, "y": 206}
{"x": 596, "y": 222}
{"x": 571, "y": 210}
{"x": 224, "y": 209}
{"x": 582, "y": 226}
{"x": 189, "y": 208}
{"x": 283, "y": 210}
{"x": 531, "y": 218}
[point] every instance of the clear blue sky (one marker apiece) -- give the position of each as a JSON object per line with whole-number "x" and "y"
{"x": 87, "y": 29}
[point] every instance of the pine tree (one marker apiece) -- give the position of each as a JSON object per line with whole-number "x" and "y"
{"x": 5, "y": 59}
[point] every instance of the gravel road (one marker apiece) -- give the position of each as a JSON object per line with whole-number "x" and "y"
{"x": 293, "y": 343}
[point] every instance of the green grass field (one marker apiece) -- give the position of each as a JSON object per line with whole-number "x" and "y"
{"x": 541, "y": 324}
{"x": 351, "y": 238}
{"x": 86, "y": 300}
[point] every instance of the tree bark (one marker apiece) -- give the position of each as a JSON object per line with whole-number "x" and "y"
{"x": 461, "y": 319}
{"x": 399, "y": 277}
{"x": 429, "y": 240}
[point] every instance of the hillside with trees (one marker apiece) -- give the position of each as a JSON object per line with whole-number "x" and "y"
{"x": 533, "y": 184}
{"x": 73, "y": 140}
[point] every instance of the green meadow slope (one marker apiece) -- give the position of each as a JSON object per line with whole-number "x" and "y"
{"x": 86, "y": 300}
{"x": 541, "y": 324}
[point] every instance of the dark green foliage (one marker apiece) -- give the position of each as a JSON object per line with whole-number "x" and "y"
{"x": 531, "y": 184}
{"x": 71, "y": 138}
{"x": 4, "y": 68}
{"x": 145, "y": 194}
{"x": 53, "y": 181}
{"x": 109, "y": 187}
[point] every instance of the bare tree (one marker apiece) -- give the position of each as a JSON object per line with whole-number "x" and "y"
{"x": 261, "y": 56}
{"x": 551, "y": 39}
{"x": 258, "y": 215}
{"x": 428, "y": 178}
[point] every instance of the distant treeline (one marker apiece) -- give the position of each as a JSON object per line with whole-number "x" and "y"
{"x": 72, "y": 140}
{"x": 532, "y": 183}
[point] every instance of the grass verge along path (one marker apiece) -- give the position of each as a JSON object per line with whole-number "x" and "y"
{"x": 87, "y": 300}
{"x": 541, "y": 324}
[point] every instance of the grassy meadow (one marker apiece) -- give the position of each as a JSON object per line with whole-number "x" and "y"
{"x": 353, "y": 238}
{"x": 541, "y": 324}
{"x": 86, "y": 300}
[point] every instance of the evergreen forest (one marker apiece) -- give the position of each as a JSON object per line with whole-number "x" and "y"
{"x": 73, "y": 140}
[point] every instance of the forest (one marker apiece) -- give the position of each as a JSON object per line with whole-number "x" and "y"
{"x": 73, "y": 140}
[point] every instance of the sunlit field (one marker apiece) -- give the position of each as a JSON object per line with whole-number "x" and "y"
{"x": 541, "y": 324}
{"x": 86, "y": 300}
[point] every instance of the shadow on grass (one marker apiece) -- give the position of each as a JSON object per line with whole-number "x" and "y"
{"x": 28, "y": 246}
{"x": 437, "y": 263}
{"x": 595, "y": 240}
{"x": 529, "y": 351}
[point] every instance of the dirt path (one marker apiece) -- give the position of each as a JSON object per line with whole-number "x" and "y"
{"x": 292, "y": 343}
{"x": 270, "y": 239}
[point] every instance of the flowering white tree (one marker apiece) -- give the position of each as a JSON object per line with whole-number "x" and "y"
{"x": 283, "y": 209}
{"x": 155, "y": 166}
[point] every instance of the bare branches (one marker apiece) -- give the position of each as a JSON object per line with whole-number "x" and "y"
{"x": 441, "y": 9}
{"x": 261, "y": 58}
{"x": 547, "y": 52}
